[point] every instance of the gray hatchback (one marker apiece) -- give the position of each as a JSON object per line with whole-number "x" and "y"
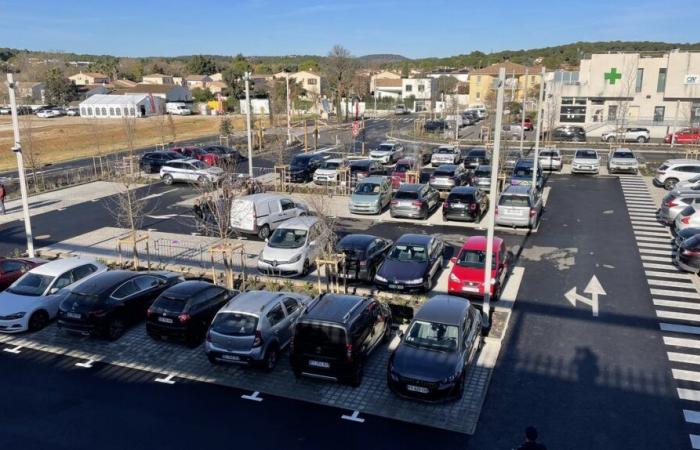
{"x": 519, "y": 206}
{"x": 254, "y": 327}
{"x": 414, "y": 201}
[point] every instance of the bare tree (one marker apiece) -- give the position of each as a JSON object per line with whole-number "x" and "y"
{"x": 30, "y": 151}
{"x": 339, "y": 69}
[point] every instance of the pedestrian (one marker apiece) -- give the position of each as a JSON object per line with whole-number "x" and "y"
{"x": 199, "y": 214}
{"x": 3, "y": 193}
{"x": 531, "y": 440}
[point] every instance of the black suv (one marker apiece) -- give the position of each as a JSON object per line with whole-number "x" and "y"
{"x": 475, "y": 157}
{"x": 334, "y": 336}
{"x": 151, "y": 162}
{"x": 302, "y": 167}
{"x": 569, "y": 133}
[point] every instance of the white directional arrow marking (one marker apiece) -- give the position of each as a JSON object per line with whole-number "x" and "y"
{"x": 593, "y": 288}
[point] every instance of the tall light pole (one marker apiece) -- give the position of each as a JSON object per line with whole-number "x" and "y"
{"x": 17, "y": 148}
{"x": 538, "y": 129}
{"x": 289, "y": 120}
{"x": 246, "y": 77}
{"x": 522, "y": 114}
{"x": 492, "y": 197}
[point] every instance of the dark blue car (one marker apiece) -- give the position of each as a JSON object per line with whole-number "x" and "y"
{"x": 522, "y": 174}
{"x": 411, "y": 264}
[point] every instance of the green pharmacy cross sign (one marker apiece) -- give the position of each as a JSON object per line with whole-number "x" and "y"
{"x": 612, "y": 75}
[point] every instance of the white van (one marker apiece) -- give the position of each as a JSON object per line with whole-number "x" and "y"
{"x": 259, "y": 214}
{"x": 177, "y": 108}
{"x": 452, "y": 118}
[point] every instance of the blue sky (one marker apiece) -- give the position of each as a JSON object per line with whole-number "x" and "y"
{"x": 271, "y": 27}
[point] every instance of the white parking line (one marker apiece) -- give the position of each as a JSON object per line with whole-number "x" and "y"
{"x": 686, "y": 375}
{"x": 685, "y": 358}
{"x": 676, "y": 328}
{"x": 691, "y": 416}
{"x": 355, "y": 417}
{"x": 689, "y": 394}
{"x": 680, "y": 342}
{"x": 166, "y": 380}
{"x": 675, "y": 304}
{"x": 694, "y": 441}
{"x": 676, "y": 275}
{"x": 13, "y": 350}
{"x": 671, "y": 284}
{"x": 681, "y": 294}
{"x": 254, "y": 397}
{"x": 677, "y": 315}
{"x": 85, "y": 364}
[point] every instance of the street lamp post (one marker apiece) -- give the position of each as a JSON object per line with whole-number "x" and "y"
{"x": 17, "y": 148}
{"x": 538, "y": 129}
{"x": 246, "y": 77}
{"x": 492, "y": 198}
{"x": 522, "y": 115}
{"x": 289, "y": 120}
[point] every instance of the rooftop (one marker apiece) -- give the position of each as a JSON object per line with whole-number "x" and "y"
{"x": 511, "y": 68}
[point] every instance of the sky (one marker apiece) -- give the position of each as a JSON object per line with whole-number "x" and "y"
{"x": 413, "y": 28}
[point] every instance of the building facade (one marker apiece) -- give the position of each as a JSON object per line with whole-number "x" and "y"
{"x": 82, "y": 79}
{"x": 309, "y": 81}
{"x": 423, "y": 90}
{"x": 120, "y": 106}
{"x": 168, "y": 92}
{"x": 658, "y": 91}
{"x": 157, "y": 78}
{"x": 520, "y": 79}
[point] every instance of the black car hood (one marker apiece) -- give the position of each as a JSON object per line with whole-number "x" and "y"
{"x": 428, "y": 365}
{"x": 402, "y": 270}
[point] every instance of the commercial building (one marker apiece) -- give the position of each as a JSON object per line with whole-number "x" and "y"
{"x": 658, "y": 91}
{"x": 120, "y": 106}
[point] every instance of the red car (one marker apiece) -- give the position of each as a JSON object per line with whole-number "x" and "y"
{"x": 467, "y": 275}
{"x": 527, "y": 125}
{"x": 685, "y": 136}
{"x": 13, "y": 268}
{"x": 197, "y": 153}
{"x": 398, "y": 175}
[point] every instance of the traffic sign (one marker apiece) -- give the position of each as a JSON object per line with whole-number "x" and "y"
{"x": 355, "y": 128}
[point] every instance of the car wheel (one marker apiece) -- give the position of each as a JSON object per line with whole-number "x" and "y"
{"x": 610, "y": 139}
{"x": 306, "y": 268}
{"x": 270, "y": 359}
{"x": 670, "y": 183}
{"x": 202, "y": 180}
{"x": 387, "y": 332}
{"x": 147, "y": 168}
{"x": 641, "y": 139}
{"x": 212, "y": 359}
{"x": 427, "y": 284}
{"x": 167, "y": 179}
{"x": 38, "y": 320}
{"x": 264, "y": 232}
{"x": 116, "y": 329}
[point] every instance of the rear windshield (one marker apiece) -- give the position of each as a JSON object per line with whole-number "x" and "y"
{"x": 623, "y": 155}
{"x": 460, "y": 198}
{"x": 663, "y": 167}
{"x": 444, "y": 172}
{"x": 385, "y": 148}
{"x": 548, "y": 153}
{"x": 514, "y": 200}
{"x": 476, "y": 154}
{"x": 359, "y": 165}
{"x": 693, "y": 243}
{"x": 400, "y": 168}
{"x": 308, "y": 336}
{"x": 298, "y": 161}
{"x": 522, "y": 172}
{"x": 669, "y": 197}
{"x": 368, "y": 189}
{"x": 586, "y": 154}
{"x": 406, "y": 195}
{"x": 482, "y": 172}
{"x": 171, "y": 304}
{"x": 235, "y": 324}
{"x": 445, "y": 150}
{"x": 331, "y": 165}
{"x": 475, "y": 259}
{"x": 688, "y": 211}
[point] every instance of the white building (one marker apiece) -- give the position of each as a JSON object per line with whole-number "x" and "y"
{"x": 119, "y": 106}
{"x": 258, "y": 106}
{"x": 658, "y": 91}
{"x": 168, "y": 92}
{"x": 421, "y": 89}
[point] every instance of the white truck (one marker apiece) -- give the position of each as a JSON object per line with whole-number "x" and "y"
{"x": 178, "y": 108}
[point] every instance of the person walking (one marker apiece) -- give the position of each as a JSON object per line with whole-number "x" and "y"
{"x": 3, "y": 193}
{"x": 531, "y": 440}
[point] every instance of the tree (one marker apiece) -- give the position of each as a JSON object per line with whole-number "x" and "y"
{"x": 278, "y": 94}
{"x": 447, "y": 84}
{"x": 225, "y": 126}
{"x": 107, "y": 65}
{"x": 310, "y": 65}
{"x": 59, "y": 90}
{"x": 233, "y": 76}
{"x": 202, "y": 95}
{"x": 339, "y": 69}
{"x": 201, "y": 65}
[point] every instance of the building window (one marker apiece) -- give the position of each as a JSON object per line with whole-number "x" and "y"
{"x": 640, "y": 80}
{"x": 118, "y": 111}
{"x": 478, "y": 95}
{"x": 97, "y": 111}
{"x": 409, "y": 88}
{"x": 132, "y": 112}
{"x": 573, "y": 110}
{"x": 311, "y": 81}
{"x": 478, "y": 79}
{"x": 661, "y": 83}
{"x": 612, "y": 112}
{"x": 111, "y": 111}
{"x": 104, "y": 111}
{"x": 532, "y": 79}
{"x": 565, "y": 77}
{"x": 659, "y": 112}
{"x": 421, "y": 88}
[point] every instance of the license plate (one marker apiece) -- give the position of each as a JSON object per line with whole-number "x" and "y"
{"x": 457, "y": 206}
{"x": 165, "y": 320}
{"x": 420, "y": 389}
{"x": 470, "y": 289}
{"x": 230, "y": 357}
{"x": 396, "y": 286}
{"x": 72, "y": 315}
{"x": 322, "y": 364}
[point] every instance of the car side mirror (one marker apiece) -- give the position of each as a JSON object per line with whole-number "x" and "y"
{"x": 53, "y": 290}
{"x": 453, "y": 260}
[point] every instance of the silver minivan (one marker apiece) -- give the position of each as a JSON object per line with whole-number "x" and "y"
{"x": 676, "y": 201}
{"x": 254, "y": 327}
{"x": 519, "y": 206}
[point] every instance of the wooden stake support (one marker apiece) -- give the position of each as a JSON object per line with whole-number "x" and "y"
{"x": 228, "y": 250}
{"x": 331, "y": 269}
{"x": 132, "y": 240}
{"x": 282, "y": 172}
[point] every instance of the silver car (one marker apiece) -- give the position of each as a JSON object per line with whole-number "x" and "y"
{"x": 519, "y": 206}
{"x": 254, "y": 327}
{"x": 550, "y": 159}
{"x": 586, "y": 161}
{"x": 622, "y": 160}
{"x": 482, "y": 178}
{"x": 511, "y": 158}
{"x": 676, "y": 201}
{"x": 416, "y": 201}
{"x": 371, "y": 196}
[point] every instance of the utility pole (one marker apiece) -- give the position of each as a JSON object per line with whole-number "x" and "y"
{"x": 538, "y": 130}
{"x": 246, "y": 77}
{"x": 17, "y": 148}
{"x": 289, "y": 120}
{"x": 522, "y": 114}
{"x": 492, "y": 198}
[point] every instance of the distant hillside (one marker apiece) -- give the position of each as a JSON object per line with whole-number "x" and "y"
{"x": 381, "y": 58}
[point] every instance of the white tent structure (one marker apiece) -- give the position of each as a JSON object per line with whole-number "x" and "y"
{"x": 117, "y": 106}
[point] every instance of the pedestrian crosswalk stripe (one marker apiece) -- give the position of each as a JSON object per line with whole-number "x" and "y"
{"x": 685, "y": 358}
{"x": 680, "y": 342}
{"x": 677, "y": 315}
{"x": 676, "y": 328}
{"x": 664, "y": 239}
{"x": 675, "y": 284}
{"x": 691, "y": 416}
{"x": 659, "y": 274}
{"x": 634, "y": 202}
{"x": 652, "y": 233}
{"x": 694, "y": 441}
{"x": 645, "y": 221}
{"x": 654, "y": 245}
{"x": 649, "y": 265}
{"x": 653, "y": 251}
{"x": 675, "y": 304}
{"x": 648, "y": 227}
{"x": 686, "y": 375}
{"x": 688, "y": 394}
{"x": 681, "y": 294}
{"x": 653, "y": 258}
{"x": 642, "y": 210}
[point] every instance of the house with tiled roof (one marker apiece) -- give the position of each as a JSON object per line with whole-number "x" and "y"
{"x": 168, "y": 92}
{"x": 157, "y": 78}
{"x": 519, "y": 79}
{"x": 84, "y": 78}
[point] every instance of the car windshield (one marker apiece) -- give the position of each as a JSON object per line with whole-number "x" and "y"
{"x": 406, "y": 195}
{"x": 331, "y": 165}
{"x": 586, "y": 154}
{"x": 514, "y": 200}
{"x": 367, "y": 189}
{"x": 287, "y": 238}
{"x": 475, "y": 259}
{"x": 31, "y": 284}
{"x": 234, "y": 324}
{"x": 408, "y": 253}
{"x": 522, "y": 171}
{"x": 548, "y": 153}
{"x": 460, "y": 198}
{"x": 482, "y": 172}
{"x": 476, "y": 154}
{"x": 385, "y": 148}
{"x": 628, "y": 155}
{"x": 444, "y": 172}
{"x": 299, "y": 162}
{"x": 359, "y": 165}
{"x": 401, "y": 168}
{"x": 432, "y": 336}
{"x": 444, "y": 150}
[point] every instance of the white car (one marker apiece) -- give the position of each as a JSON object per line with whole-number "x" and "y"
{"x": 585, "y": 161}
{"x": 622, "y": 160}
{"x": 32, "y": 301}
{"x": 293, "y": 247}
{"x": 259, "y": 214}
{"x": 675, "y": 170}
{"x": 190, "y": 171}
{"x": 640, "y": 135}
{"x": 445, "y": 154}
{"x": 550, "y": 159}
{"x": 688, "y": 184}
{"x": 327, "y": 172}
{"x": 387, "y": 153}
{"x": 49, "y": 113}
{"x": 688, "y": 218}
{"x": 73, "y": 111}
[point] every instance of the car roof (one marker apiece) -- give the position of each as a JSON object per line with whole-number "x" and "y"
{"x": 333, "y": 307}
{"x": 373, "y": 179}
{"x": 261, "y": 196}
{"x": 356, "y": 240}
{"x": 105, "y": 281}
{"x": 412, "y": 238}
{"x": 518, "y": 189}
{"x": 334, "y": 160}
{"x": 252, "y": 301}
{"x": 411, "y": 187}
{"x": 464, "y": 190}
{"x": 187, "y": 160}
{"x": 59, "y": 266}
{"x": 299, "y": 223}
{"x": 524, "y": 163}
{"x": 682, "y": 161}
{"x": 479, "y": 243}
{"x": 389, "y": 143}
{"x": 187, "y": 289}
{"x": 446, "y": 309}
{"x": 446, "y": 167}
{"x": 449, "y": 147}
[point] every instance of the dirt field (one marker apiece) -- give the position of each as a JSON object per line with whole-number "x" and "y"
{"x": 66, "y": 138}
